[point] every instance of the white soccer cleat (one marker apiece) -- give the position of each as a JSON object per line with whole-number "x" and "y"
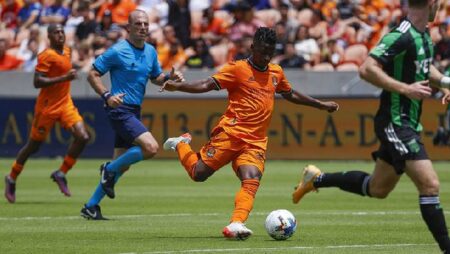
{"x": 237, "y": 230}
{"x": 171, "y": 143}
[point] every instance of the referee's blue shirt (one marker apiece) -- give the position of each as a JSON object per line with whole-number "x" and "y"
{"x": 130, "y": 69}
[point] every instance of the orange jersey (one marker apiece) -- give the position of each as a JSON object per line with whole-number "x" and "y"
{"x": 250, "y": 99}
{"x": 52, "y": 64}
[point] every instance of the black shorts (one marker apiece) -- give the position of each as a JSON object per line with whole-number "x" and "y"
{"x": 399, "y": 144}
{"x": 126, "y": 123}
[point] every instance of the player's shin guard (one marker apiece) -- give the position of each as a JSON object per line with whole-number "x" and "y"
{"x": 67, "y": 164}
{"x": 16, "y": 170}
{"x": 188, "y": 158}
{"x": 433, "y": 216}
{"x": 243, "y": 202}
{"x": 352, "y": 181}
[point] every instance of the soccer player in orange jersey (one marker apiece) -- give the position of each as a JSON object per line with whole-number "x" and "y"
{"x": 240, "y": 136}
{"x": 54, "y": 104}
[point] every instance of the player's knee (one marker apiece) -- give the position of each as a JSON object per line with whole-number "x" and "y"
{"x": 200, "y": 177}
{"x": 380, "y": 193}
{"x": 83, "y": 138}
{"x": 149, "y": 150}
{"x": 430, "y": 188}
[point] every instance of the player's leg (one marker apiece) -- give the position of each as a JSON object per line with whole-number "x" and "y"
{"x": 212, "y": 156}
{"x": 426, "y": 180}
{"x": 41, "y": 126}
{"x": 91, "y": 209}
{"x": 31, "y": 147}
{"x": 140, "y": 142}
{"x": 248, "y": 166}
{"x": 81, "y": 138}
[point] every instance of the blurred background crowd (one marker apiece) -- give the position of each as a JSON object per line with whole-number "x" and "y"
{"x": 317, "y": 35}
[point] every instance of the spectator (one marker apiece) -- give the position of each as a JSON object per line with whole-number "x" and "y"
{"x": 301, "y": 4}
{"x": 290, "y": 23}
{"x": 442, "y": 48}
{"x": 174, "y": 58}
{"x": 29, "y": 14}
{"x": 7, "y": 61}
{"x": 212, "y": 28}
{"x": 245, "y": 23}
{"x": 180, "y": 19}
{"x": 86, "y": 29}
{"x": 346, "y": 9}
{"x": 106, "y": 25}
{"x": 306, "y": 47}
{"x": 282, "y": 38}
{"x": 119, "y": 9}
{"x": 243, "y": 48}
{"x": 9, "y": 14}
{"x": 55, "y": 13}
{"x": 83, "y": 57}
{"x": 201, "y": 59}
{"x": 291, "y": 60}
{"x": 29, "y": 47}
{"x": 332, "y": 53}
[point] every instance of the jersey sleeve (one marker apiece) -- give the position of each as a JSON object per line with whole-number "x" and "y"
{"x": 106, "y": 61}
{"x": 44, "y": 62}
{"x": 391, "y": 45}
{"x": 283, "y": 86}
{"x": 225, "y": 78}
{"x": 156, "y": 67}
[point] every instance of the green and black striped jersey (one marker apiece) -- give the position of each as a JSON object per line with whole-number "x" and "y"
{"x": 406, "y": 55}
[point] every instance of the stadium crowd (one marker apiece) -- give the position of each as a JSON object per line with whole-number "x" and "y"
{"x": 312, "y": 34}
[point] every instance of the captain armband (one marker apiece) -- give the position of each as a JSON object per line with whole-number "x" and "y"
{"x": 445, "y": 82}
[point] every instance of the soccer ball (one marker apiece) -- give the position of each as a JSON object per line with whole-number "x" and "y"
{"x": 281, "y": 224}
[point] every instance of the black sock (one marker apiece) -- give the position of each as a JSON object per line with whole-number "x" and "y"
{"x": 351, "y": 181}
{"x": 433, "y": 215}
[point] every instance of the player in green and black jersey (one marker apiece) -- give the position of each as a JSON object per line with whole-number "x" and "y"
{"x": 401, "y": 66}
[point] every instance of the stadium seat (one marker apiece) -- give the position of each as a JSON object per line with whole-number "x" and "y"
{"x": 219, "y": 53}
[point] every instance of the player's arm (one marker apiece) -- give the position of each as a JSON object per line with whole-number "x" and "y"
{"x": 174, "y": 75}
{"x": 41, "y": 80}
{"x": 95, "y": 80}
{"x": 373, "y": 72}
{"x": 303, "y": 99}
{"x": 439, "y": 80}
{"x": 198, "y": 86}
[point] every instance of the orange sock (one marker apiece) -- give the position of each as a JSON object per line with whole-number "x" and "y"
{"x": 187, "y": 157}
{"x": 67, "y": 164}
{"x": 15, "y": 170}
{"x": 243, "y": 202}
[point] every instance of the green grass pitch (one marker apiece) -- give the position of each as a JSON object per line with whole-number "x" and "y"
{"x": 158, "y": 209}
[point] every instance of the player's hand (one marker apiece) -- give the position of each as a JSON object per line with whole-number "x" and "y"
{"x": 71, "y": 75}
{"x": 115, "y": 100}
{"x": 418, "y": 90}
{"x": 445, "y": 99}
{"x": 176, "y": 75}
{"x": 169, "y": 85}
{"x": 330, "y": 106}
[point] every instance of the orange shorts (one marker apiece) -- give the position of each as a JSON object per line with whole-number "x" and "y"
{"x": 44, "y": 120}
{"x": 223, "y": 148}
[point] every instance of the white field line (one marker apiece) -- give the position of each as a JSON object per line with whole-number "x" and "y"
{"x": 137, "y": 216}
{"x": 358, "y": 246}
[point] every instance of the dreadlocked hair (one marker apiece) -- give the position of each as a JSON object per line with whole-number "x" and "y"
{"x": 265, "y": 35}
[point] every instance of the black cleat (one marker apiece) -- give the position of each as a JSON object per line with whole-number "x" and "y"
{"x": 92, "y": 213}
{"x": 10, "y": 190}
{"x": 107, "y": 180}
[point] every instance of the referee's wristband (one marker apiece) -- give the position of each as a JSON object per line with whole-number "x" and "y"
{"x": 106, "y": 95}
{"x": 445, "y": 82}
